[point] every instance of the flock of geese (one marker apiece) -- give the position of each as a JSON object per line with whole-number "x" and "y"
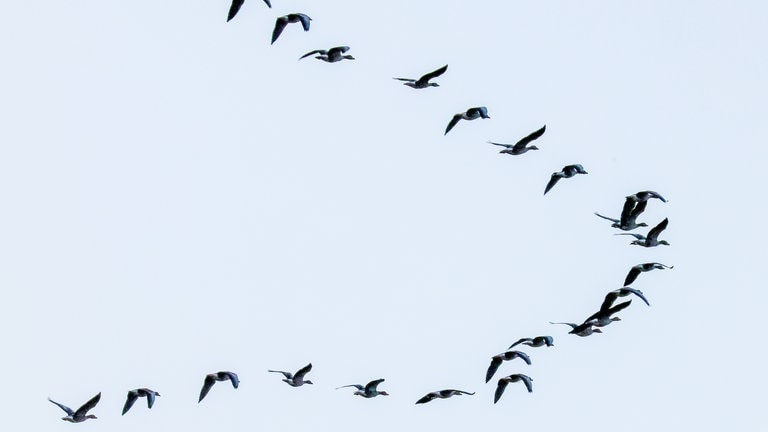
{"x": 634, "y": 206}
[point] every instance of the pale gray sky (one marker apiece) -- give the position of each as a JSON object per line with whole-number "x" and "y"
{"x": 179, "y": 197}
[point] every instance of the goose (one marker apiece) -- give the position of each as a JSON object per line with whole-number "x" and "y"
{"x": 629, "y": 215}
{"x": 135, "y": 394}
{"x": 603, "y": 317}
{"x": 331, "y": 55}
{"x": 369, "y": 390}
{"x": 81, "y": 414}
{"x": 621, "y": 292}
{"x": 568, "y": 171}
{"x": 283, "y": 21}
{"x": 423, "y": 82}
{"x": 470, "y": 114}
{"x": 653, "y": 236}
{"x": 504, "y": 382}
{"x": 498, "y": 359}
{"x": 520, "y": 147}
{"x": 582, "y": 330}
{"x": 211, "y": 379}
{"x": 235, "y": 7}
{"x": 442, "y": 394}
{"x": 644, "y": 196}
{"x": 535, "y": 342}
{"x": 642, "y": 268}
{"x": 297, "y": 379}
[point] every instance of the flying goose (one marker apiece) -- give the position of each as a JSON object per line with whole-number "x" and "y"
{"x": 470, "y": 114}
{"x": 423, "y": 82}
{"x": 211, "y": 379}
{"x": 504, "y": 382}
{"x": 582, "y": 330}
{"x": 535, "y": 342}
{"x": 283, "y": 21}
{"x": 442, "y": 394}
{"x": 520, "y": 147}
{"x": 369, "y": 390}
{"x": 629, "y": 215}
{"x": 236, "y": 4}
{"x": 498, "y": 359}
{"x": 81, "y": 414}
{"x": 297, "y": 379}
{"x": 653, "y": 236}
{"x": 331, "y": 55}
{"x": 135, "y": 394}
{"x": 642, "y": 268}
{"x": 603, "y": 317}
{"x": 568, "y": 171}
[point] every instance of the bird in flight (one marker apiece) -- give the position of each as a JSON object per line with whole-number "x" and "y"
{"x": 81, "y": 414}
{"x": 283, "y": 21}
{"x": 211, "y": 379}
{"x": 635, "y": 271}
{"x": 297, "y": 379}
{"x": 535, "y": 342}
{"x": 331, "y": 55}
{"x": 135, "y": 394}
{"x": 470, "y": 114}
{"x": 568, "y": 171}
{"x": 504, "y": 382}
{"x": 498, "y": 359}
{"x": 442, "y": 394}
{"x": 369, "y": 390}
{"x": 423, "y": 82}
{"x": 520, "y": 147}
{"x": 652, "y": 239}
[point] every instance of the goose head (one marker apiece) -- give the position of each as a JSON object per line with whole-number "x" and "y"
{"x": 532, "y": 148}
{"x": 664, "y": 242}
{"x": 307, "y": 382}
{"x": 348, "y": 57}
{"x": 383, "y": 393}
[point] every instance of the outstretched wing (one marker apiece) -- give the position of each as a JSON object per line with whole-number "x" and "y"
{"x": 313, "y": 52}
{"x": 234, "y": 8}
{"x": 371, "y": 386}
{"x": 634, "y": 272}
{"x": 637, "y": 293}
{"x": 66, "y": 409}
{"x": 532, "y": 136}
{"x": 268, "y": 3}
{"x": 607, "y": 218}
{"x": 452, "y": 123}
{"x": 655, "y": 231}
{"x": 502, "y": 145}
{"x": 132, "y": 396}
{"x": 519, "y": 341}
{"x": 500, "y": 387}
{"x": 288, "y": 375}
{"x": 434, "y": 74}
{"x": 304, "y": 21}
{"x": 88, "y": 405}
{"x": 428, "y": 397}
{"x": 280, "y": 24}
{"x": 552, "y": 182}
{"x": 207, "y": 384}
{"x": 527, "y": 381}
{"x": 495, "y": 363}
{"x": 303, "y": 371}
{"x": 357, "y": 386}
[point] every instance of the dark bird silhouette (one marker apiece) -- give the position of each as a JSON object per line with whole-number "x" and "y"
{"x": 135, "y": 394}
{"x": 644, "y": 196}
{"x": 211, "y": 379}
{"x": 603, "y": 317}
{"x": 442, "y": 394}
{"x": 283, "y": 21}
{"x": 642, "y": 268}
{"x": 568, "y": 171}
{"x": 235, "y": 7}
{"x": 81, "y": 414}
{"x": 629, "y": 214}
{"x": 331, "y": 55}
{"x": 611, "y": 297}
{"x": 297, "y": 379}
{"x": 504, "y": 382}
{"x": 470, "y": 114}
{"x": 582, "y": 330}
{"x": 423, "y": 82}
{"x": 369, "y": 390}
{"x": 653, "y": 236}
{"x": 535, "y": 342}
{"x": 498, "y": 359}
{"x": 520, "y": 147}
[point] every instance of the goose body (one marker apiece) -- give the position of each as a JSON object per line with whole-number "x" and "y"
{"x": 331, "y": 55}
{"x": 604, "y": 316}
{"x": 135, "y": 394}
{"x": 504, "y": 382}
{"x": 535, "y": 342}
{"x": 470, "y": 114}
{"x": 283, "y": 21}
{"x": 652, "y": 239}
{"x": 635, "y": 271}
{"x": 369, "y": 390}
{"x": 295, "y": 379}
{"x": 568, "y": 171}
{"x": 423, "y": 82}
{"x": 521, "y": 146}
{"x": 442, "y": 394}
{"x": 583, "y": 330}
{"x": 81, "y": 414}
{"x": 498, "y": 359}
{"x": 212, "y": 378}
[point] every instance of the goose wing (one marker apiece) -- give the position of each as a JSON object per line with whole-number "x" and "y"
{"x": 635, "y": 235}
{"x": 230, "y": 376}
{"x": 426, "y": 398}
{"x": 288, "y": 375}
{"x": 130, "y": 400}
{"x": 299, "y": 375}
{"x": 268, "y": 3}
{"x": 509, "y": 146}
{"x": 607, "y": 218}
{"x": 234, "y": 8}
{"x": 527, "y": 381}
{"x": 521, "y": 355}
{"x": 636, "y": 211}
{"x": 405, "y": 79}
{"x": 634, "y": 272}
{"x": 434, "y": 74}
{"x": 323, "y": 52}
{"x": 569, "y": 324}
{"x": 519, "y": 341}
{"x": 635, "y": 292}
{"x": 452, "y": 123}
{"x": 653, "y": 234}
{"x": 280, "y": 24}
{"x": 629, "y": 204}
{"x": 607, "y": 302}
{"x": 530, "y": 137}
{"x": 371, "y": 386}
{"x": 207, "y": 384}
{"x": 88, "y": 405}
{"x": 151, "y": 398}
{"x": 66, "y": 409}
{"x": 338, "y": 50}
{"x": 553, "y": 181}
{"x": 357, "y": 386}
{"x": 500, "y": 387}
{"x": 496, "y": 361}
{"x": 304, "y": 20}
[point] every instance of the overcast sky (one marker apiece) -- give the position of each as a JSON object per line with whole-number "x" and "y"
{"x": 179, "y": 197}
